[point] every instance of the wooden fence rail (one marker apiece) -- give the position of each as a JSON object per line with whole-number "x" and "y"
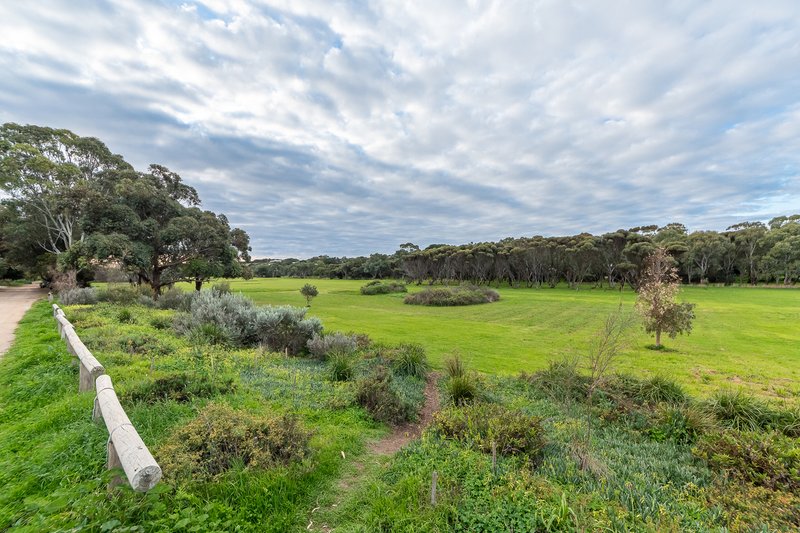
{"x": 125, "y": 448}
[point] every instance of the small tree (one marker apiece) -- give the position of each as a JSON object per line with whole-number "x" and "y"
{"x": 309, "y": 291}
{"x": 657, "y": 303}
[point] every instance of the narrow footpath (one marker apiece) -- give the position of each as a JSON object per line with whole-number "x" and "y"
{"x": 14, "y": 302}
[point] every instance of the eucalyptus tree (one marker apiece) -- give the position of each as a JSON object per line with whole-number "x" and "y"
{"x": 49, "y": 174}
{"x": 748, "y": 238}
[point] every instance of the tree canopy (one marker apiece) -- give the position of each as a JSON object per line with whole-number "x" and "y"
{"x": 75, "y": 205}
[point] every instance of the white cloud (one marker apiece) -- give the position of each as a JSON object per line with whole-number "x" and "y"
{"x": 382, "y": 122}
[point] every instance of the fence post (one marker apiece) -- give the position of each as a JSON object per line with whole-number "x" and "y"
{"x": 434, "y": 479}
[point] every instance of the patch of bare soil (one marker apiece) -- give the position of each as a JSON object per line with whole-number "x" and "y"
{"x": 404, "y": 434}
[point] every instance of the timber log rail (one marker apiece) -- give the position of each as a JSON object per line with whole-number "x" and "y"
{"x": 125, "y": 448}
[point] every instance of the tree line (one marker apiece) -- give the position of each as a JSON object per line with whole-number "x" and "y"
{"x": 74, "y": 206}
{"x": 748, "y": 252}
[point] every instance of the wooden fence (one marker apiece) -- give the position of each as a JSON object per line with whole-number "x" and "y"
{"x": 125, "y": 448}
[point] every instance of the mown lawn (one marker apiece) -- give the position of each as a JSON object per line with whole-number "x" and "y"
{"x": 637, "y": 470}
{"x": 748, "y": 337}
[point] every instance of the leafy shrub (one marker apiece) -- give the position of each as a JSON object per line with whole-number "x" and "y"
{"x": 340, "y": 366}
{"x": 221, "y": 437}
{"x": 447, "y": 296}
{"x": 376, "y": 394}
{"x": 410, "y": 360}
{"x": 323, "y": 346}
{"x": 178, "y": 387}
{"x": 208, "y": 333}
{"x": 379, "y": 287}
{"x": 682, "y": 424}
{"x": 768, "y": 459}
{"x": 461, "y": 390}
{"x": 309, "y": 292}
{"x": 121, "y": 294}
{"x": 223, "y": 287}
{"x": 245, "y": 324}
{"x": 124, "y": 316}
{"x": 176, "y": 299}
{"x": 86, "y": 296}
{"x": 480, "y": 424}
{"x": 161, "y": 322}
{"x": 145, "y": 301}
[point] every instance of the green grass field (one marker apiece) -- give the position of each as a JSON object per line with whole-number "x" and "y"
{"x": 743, "y": 336}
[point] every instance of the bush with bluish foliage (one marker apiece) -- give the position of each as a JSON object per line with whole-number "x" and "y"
{"x": 451, "y": 296}
{"x": 175, "y": 298}
{"x": 85, "y": 296}
{"x": 244, "y": 324}
{"x": 323, "y": 346}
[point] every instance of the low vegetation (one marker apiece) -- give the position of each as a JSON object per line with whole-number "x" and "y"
{"x": 383, "y": 287}
{"x": 450, "y": 296}
{"x": 221, "y": 438}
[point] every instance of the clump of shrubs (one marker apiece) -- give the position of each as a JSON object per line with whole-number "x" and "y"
{"x": 208, "y": 333}
{"x": 323, "y": 346}
{"x": 410, "y": 360}
{"x": 481, "y": 425}
{"x": 378, "y": 396}
{"x": 76, "y": 296}
{"x": 124, "y": 294}
{"x": 178, "y": 387}
{"x": 244, "y": 324}
{"x": 383, "y": 287}
{"x": 449, "y": 296}
{"x": 174, "y": 298}
{"x": 223, "y": 287}
{"x": 770, "y": 459}
{"x": 221, "y": 437}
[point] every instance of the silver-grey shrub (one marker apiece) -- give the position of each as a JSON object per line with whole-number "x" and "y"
{"x": 86, "y": 296}
{"x": 321, "y": 346}
{"x": 175, "y": 298}
{"x": 278, "y": 328}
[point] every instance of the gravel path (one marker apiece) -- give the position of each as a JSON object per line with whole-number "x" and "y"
{"x": 14, "y": 302}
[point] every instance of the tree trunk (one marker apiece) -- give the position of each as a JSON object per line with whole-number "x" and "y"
{"x": 658, "y": 338}
{"x": 198, "y": 284}
{"x": 155, "y": 282}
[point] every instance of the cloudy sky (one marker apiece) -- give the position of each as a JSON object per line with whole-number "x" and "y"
{"x": 351, "y": 127}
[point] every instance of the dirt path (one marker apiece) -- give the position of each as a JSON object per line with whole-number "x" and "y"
{"x": 14, "y": 302}
{"x": 402, "y": 435}
{"x": 379, "y": 451}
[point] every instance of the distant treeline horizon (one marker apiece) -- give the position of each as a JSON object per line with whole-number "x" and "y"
{"x": 747, "y": 252}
